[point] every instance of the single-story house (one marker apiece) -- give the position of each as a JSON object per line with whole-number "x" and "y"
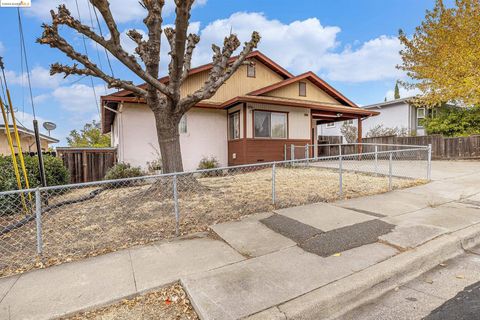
{"x": 250, "y": 119}
{"x": 27, "y": 140}
{"x": 400, "y": 113}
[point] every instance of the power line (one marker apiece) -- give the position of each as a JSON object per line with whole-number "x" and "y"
{"x": 86, "y": 53}
{"x": 101, "y": 34}
{"x": 22, "y": 42}
{"x": 96, "y": 44}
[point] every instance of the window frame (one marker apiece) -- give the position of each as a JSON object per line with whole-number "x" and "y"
{"x": 285, "y": 114}
{"x": 254, "y": 70}
{"x": 232, "y": 116}
{"x": 183, "y": 125}
{"x": 418, "y": 118}
{"x": 330, "y": 125}
{"x": 300, "y": 84}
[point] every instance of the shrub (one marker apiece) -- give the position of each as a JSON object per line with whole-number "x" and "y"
{"x": 209, "y": 163}
{"x": 55, "y": 172}
{"x": 155, "y": 165}
{"x": 349, "y": 131}
{"x": 381, "y": 131}
{"x": 123, "y": 171}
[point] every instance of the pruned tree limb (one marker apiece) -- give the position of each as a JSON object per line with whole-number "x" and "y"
{"x": 221, "y": 70}
{"x": 64, "y": 17}
{"x": 51, "y": 37}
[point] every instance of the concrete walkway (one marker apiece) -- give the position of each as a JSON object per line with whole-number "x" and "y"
{"x": 274, "y": 265}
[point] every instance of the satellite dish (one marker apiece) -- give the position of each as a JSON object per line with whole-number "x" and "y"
{"x": 49, "y": 126}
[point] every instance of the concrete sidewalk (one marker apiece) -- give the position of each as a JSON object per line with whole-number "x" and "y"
{"x": 296, "y": 262}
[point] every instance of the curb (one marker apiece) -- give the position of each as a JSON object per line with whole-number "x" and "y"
{"x": 337, "y": 298}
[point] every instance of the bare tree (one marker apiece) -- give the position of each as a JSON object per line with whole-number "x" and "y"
{"x": 163, "y": 99}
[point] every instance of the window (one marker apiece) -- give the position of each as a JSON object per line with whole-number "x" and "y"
{"x": 349, "y": 121}
{"x": 270, "y": 125}
{"x": 251, "y": 70}
{"x": 182, "y": 126}
{"x": 234, "y": 125}
{"x": 331, "y": 125}
{"x": 302, "y": 89}
{"x": 420, "y": 117}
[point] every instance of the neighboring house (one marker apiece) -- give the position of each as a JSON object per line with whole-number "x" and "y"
{"x": 396, "y": 113}
{"x": 27, "y": 140}
{"x": 258, "y": 111}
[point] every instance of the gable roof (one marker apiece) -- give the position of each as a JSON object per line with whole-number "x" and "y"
{"x": 312, "y": 77}
{"x": 29, "y": 132}
{"x": 255, "y": 54}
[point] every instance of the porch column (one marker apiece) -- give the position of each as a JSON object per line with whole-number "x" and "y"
{"x": 359, "y": 139}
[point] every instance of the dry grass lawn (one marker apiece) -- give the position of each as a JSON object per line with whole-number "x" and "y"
{"x": 137, "y": 214}
{"x": 170, "y": 303}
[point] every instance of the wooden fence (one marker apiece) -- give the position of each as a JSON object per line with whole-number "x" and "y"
{"x": 445, "y": 148}
{"x": 87, "y": 164}
{"x": 442, "y": 147}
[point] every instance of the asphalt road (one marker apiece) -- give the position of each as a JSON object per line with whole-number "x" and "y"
{"x": 449, "y": 292}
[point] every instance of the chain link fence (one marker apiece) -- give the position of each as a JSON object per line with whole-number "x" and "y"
{"x": 48, "y": 226}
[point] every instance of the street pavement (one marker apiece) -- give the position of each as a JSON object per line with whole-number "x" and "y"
{"x": 451, "y": 291}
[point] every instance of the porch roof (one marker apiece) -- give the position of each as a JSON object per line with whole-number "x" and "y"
{"x": 325, "y": 112}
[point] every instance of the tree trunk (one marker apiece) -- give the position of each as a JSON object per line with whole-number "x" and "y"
{"x": 169, "y": 141}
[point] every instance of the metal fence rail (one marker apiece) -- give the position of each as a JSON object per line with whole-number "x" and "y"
{"x": 47, "y": 226}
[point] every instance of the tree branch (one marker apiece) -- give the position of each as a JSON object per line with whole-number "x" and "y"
{"x": 192, "y": 42}
{"x": 51, "y": 37}
{"x": 64, "y": 17}
{"x": 221, "y": 70}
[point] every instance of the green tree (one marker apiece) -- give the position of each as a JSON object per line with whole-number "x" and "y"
{"x": 453, "y": 121}
{"x": 90, "y": 136}
{"x": 443, "y": 55}
{"x": 396, "y": 94}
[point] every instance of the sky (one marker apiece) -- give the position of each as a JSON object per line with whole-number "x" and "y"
{"x": 351, "y": 44}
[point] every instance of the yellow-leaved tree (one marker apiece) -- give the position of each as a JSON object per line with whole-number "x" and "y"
{"x": 443, "y": 55}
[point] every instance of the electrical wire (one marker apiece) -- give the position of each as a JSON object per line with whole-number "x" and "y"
{"x": 23, "y": 47}
{"x": 86, "y": 53}
{"x": 96, "y": 44}
{"x": 101, "y": 34}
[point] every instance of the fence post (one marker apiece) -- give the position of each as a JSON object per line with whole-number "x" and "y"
{"x": 285, "y": 152}
{"x": 292, "y": 152}
{"x": 175, "y": 200}
{"x": 273, "y": 184}
{"x": 376, "y": 159}
{"x": 38, "y": 220}
{"x": 306, "y": 152}
{"x": 340, "y": 176}
{"x": 429, "y": 163}
{"x": 390, "y": 172}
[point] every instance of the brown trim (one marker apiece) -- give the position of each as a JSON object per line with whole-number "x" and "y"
{"x": 300, "y": 93}
{"x": 301, "y": 104}
{"x": 271, "y": 111}
{"x": 314, "y": 79}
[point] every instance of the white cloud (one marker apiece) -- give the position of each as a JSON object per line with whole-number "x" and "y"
{"x": 307, "y": 45}
{"x": 39, "y": 76}
{"x": 123, "y": 11}
{"x": 373, "y": 60}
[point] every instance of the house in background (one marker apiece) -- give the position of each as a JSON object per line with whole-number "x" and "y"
{"x": 250, "y": 119}
{"x": 398, "y": 113}
{"x": 27, "y": 140}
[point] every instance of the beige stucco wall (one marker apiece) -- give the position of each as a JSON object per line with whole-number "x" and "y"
{"x": 314, "y": 93}
{"x": 239, "y": 84}
{"x": 27, "y": 141}
{"x": 298, "y": 119}
{"x": 137, "y": 141}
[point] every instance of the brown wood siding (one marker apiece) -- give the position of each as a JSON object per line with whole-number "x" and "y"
{"x": 262, "y": 150}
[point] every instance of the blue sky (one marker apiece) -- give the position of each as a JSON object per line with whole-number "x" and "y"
{"x": 352, "y": 44}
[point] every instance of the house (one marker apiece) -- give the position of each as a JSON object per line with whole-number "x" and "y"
{"x": 251, "y": 118}
{"x": 27, "y": 140}
{"x": 398, "y": 113}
